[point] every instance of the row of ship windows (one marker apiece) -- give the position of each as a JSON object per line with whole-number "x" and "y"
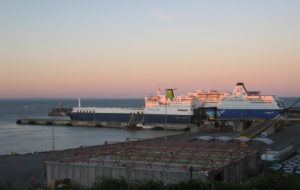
{"x": 154, "y": 109}
{"x": 179, "y": 103}
{"x": 171, "y": 103}
{"x": 261, "y": 102}
{"x": 251, "y": 102}
{"x": 79, "y": 111}
{"x": 138, "y": 113}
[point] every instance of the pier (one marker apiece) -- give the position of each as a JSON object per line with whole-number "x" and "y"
{"x": 116, "y": 125}
{"x": 55, "y": 122}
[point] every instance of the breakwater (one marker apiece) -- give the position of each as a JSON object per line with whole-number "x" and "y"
{"x": 117, "y": 125}
{"x": 29, "y": 121}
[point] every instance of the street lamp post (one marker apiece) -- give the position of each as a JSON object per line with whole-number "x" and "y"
{"x": 52, "y": 137}
{"x": 165, "y": 126}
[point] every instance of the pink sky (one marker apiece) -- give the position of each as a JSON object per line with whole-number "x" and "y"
{"x": 127, "y": 51}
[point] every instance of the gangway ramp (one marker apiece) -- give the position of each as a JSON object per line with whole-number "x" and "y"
{"x": 255, "y": 130}
{"x": 249, "y": 129}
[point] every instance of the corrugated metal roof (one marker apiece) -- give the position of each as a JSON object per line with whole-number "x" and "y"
{"x": 264, "y": 140}
{"x": 244, "y": 139}
{"x": 224, "y": 138}
{"x": 206, "y": 138}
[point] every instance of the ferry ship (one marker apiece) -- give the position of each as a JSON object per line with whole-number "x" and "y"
{"x": 158, "y": 110}
{"x": 172, "y": 109}
{"x": 240, "y": 103}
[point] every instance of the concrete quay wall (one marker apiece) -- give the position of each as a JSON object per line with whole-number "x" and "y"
{"x": 27, "y": 121}
{"x": 86, "y": 174}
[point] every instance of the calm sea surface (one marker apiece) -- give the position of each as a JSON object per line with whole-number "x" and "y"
{"x": 30, "y": 138}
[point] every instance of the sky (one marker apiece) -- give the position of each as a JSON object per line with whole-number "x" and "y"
{"x": 126, "y": 48}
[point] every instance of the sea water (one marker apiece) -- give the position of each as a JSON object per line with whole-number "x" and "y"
{"x": 31, "y": 138}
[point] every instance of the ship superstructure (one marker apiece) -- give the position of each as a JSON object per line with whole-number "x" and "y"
{"x": 178, "y": 109}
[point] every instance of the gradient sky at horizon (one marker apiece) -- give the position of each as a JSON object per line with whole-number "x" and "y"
{"x": 124, "y": 49}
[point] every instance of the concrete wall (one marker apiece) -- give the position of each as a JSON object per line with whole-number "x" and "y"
{"x": 86, "y": 174}
{"x": 238, "y": 126}
{"x": 239, "y": 170}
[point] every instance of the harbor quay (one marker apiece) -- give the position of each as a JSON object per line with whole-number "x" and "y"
{"x": 111, "y": 124}
{"x": 203, "y": 123}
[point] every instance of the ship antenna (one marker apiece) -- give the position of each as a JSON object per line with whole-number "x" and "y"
{"x": 79, "y": 103}
{"x": 158, "y": 91}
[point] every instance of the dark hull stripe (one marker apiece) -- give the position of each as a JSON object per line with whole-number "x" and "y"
{"x": 145, "y": 118}
{"x": 180, "y": 119}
